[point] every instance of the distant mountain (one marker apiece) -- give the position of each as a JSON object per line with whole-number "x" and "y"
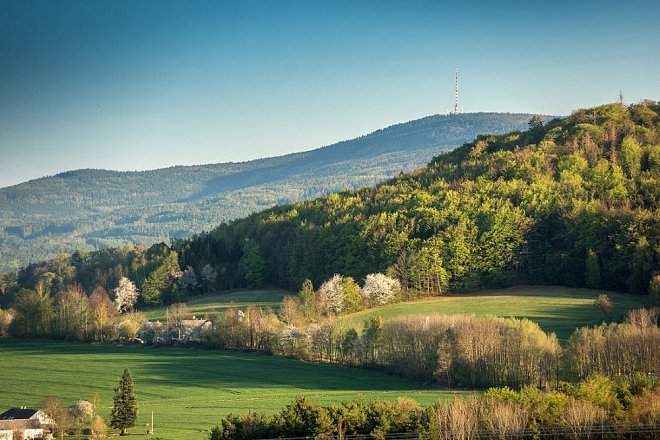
{"x": 90, "y": 209}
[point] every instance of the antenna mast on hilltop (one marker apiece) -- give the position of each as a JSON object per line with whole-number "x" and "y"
{"x": 456, "y": 94}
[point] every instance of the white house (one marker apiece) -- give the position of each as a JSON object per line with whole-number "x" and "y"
{"x": 25, "y": 424}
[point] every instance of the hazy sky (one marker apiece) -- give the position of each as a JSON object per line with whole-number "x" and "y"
{"x": 147, "y": 84}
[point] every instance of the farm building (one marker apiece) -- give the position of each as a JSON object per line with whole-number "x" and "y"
{"x": 25, "y": 424}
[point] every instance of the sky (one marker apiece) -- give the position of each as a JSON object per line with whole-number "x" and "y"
{"x": 136, "y": 84}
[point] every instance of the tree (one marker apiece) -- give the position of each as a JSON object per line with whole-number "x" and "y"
{"x": 103, "y": 314}
{"x": 603, "y": 304}
{"x": 252, "y": 263}
{"x": 99, "y": 428}
{"x": 174, "y": 317}
{"x": 308, "y": 301}
{"x": 592, "y": 275}
{"x": 7, "y": 282}
{"x": 188, "y": 280}
{"x": 333, "y": 291}
{"x": 654, "y": 289}
{"x": 54, "y": 407}
{"x": 352, "y": 296}
{"x": 81, "y": 414}
{"x": 124, "y": 408}
{"x": 290, "y": 311}
{"x": 160, "y": 281}
{"x": 371, "y": 336}
{"x": 126, "y": 294}
{"x": 71, "y": 318}
{"x": 535, "y": 121}
{"x": 209, "y": 277}
{"x": 380, "y": 289}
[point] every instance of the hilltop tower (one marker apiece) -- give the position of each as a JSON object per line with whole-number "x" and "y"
{"x": 456, "y": 111}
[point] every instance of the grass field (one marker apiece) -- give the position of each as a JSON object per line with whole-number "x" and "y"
{"x": 555, "y": 309}
{"x": 221, "y": 301}
{"x": 188, "y": 389}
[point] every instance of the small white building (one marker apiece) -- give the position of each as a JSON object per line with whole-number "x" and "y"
{"x": 25, "y": 424}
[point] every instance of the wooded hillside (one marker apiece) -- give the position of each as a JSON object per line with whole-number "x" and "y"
{"x": 94, "y": 209}
{"x": 571, "y": 202}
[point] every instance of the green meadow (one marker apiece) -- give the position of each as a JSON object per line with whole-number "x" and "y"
{"x": 219, "y": 302}
{"x": 188, "y": 390}
{"x": 556, "y": 309}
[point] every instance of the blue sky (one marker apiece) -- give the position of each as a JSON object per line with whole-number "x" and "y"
{"x": 147, "y": 84}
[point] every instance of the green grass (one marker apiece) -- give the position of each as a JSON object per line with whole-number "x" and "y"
{"x": 221, "y": 301}
{"x": 189, "y": 390}
{"x": 555, "y": 309}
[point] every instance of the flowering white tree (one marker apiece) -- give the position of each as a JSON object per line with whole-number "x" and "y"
{"x": 333, "y": 290}
{"x": 188, "y": 280}
{"x": 294, "y": 342}
{"x": 380, "y": 289}
{"x": 209, "y": 277}
{"x": 126, "y": 294}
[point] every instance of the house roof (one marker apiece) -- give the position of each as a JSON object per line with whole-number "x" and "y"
{"x": 195, "y": 323}
{"x": 18, "y": 414}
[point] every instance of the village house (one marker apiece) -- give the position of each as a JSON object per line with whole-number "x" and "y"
{"x": 186, "y": 331}
{"x": 192, "y": 329}
{"x": 25, "y": 424}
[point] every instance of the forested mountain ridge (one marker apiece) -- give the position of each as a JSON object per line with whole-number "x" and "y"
{"x": 91, "y": 209}
{"x": 573, "y": 202}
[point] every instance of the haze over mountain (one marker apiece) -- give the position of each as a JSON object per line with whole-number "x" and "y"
{"x": 88, "y": 209}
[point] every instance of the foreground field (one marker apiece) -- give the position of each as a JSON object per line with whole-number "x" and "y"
{"x": 555, "y": 309}
{"x": 189, "y": 390}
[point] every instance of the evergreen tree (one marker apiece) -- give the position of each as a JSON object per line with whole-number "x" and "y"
{"x": 253, "y": 264}
{"x": 125, "y": 408}
{"x": 159, "y": 283}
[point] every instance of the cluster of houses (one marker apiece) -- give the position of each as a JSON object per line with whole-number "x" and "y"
{"x": 25, "y": 424}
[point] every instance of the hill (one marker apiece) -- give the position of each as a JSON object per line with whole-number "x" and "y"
{"x": 573, "y": 202}
{"x": 188, "y": 390}
{"x": 92, "y": 209}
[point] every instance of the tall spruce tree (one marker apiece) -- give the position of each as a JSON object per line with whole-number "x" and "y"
{"x": 124, "y": 408}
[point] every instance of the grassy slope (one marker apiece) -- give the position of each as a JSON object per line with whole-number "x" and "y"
{"x": 188, "y": 389}
{"x": 554, "y": 308}
{"x": 220, "y": 302}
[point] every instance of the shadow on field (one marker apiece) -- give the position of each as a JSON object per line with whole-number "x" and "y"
{"x": 169, "y": 366}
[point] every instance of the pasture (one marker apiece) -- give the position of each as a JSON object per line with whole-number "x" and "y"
{"x": 189, "y": 390}
{"x": 555, "y": 309}
{"x": 219, "y": 302}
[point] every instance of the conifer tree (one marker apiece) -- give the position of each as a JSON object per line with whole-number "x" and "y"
{"x": 124, "y": 408}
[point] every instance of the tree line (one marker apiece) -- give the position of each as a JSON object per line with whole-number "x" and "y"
{"x": 595, "y": 408}
{"x": 452, "y": 350}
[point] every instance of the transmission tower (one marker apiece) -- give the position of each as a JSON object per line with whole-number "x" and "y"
{"x": 456, "y": 94}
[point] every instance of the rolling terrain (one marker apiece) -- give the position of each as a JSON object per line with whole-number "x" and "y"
{"x": 188, "y": 390}
{"x": 556, "y": 309}
{"x": 92, "y": 209}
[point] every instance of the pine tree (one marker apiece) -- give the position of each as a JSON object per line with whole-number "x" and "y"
{"x": 125, "y": 408}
